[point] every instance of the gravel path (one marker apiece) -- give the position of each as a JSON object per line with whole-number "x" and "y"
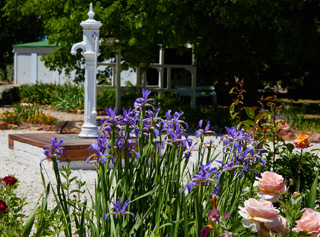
{"x": 29, "y": 174}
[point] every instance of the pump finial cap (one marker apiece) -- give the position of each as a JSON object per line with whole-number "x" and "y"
{"x": 90, "y": 13}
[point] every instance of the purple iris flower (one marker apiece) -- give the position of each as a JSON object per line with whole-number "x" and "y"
{"x": 119, "y": 210}
{"x": 217, "y": 189}
{"x": 119, "y": 143}
{"x": 129, "y": 117}
{"x": 112, "y": 119}
{"x": 143, "y": 101}
{"x": 241, "y": 157}
{"x": 170, "y": 122}
{"x": 101, "y": 151}
{"x": 55, "y": 150}
{"x": 132, "y": 151}
{"x": 174, "y": 137}
{"x": 234, "y": 135}
{"x": 145, "y": 93}
{"x": 188, "y": 151}
{"x": 202, "y": 177}
{"x": 206, "y": 130}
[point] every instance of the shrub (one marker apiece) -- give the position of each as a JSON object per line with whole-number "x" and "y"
{"x": 67, "y": 97}
{"x": 39, "y": 93}
{"x": 11, "y": 95}
{"x": 105, "y": 98}
{"x": 11, "y": 208}
{"x": 29, "y": 114}
{"x": 10, "y": 117}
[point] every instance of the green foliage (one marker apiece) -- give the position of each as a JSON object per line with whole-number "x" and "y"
{"x": 105, "y": 98}
{"x": 49, "y": 221}
{"x": 7, "y": 74}
{"x": 297, "y": 118}
{"x": 28, "y": 111}
{"x": 11, "y": 95}
{"x": 17, "y": 26}
{"x": 27, "y": 114}
{"x": 287, "y": 165}
{"x": 237, "y": 106}
{"x": 129, "y": 96}
{"x": 10, "y": 117}
{"x": 263, "y": 41}
{"x": 38, "y": 93}
{"x": 292, "y": 210}
{"x": 67, "y": 97}
{"x": 168, "y": 101}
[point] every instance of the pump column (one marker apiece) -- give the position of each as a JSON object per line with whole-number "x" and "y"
{"x": 90, "y": 46}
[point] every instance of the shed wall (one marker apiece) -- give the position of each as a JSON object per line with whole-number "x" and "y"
{"x": 23, "y": 69}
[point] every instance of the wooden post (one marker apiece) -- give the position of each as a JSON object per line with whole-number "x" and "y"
{"x": 118, "y": 80}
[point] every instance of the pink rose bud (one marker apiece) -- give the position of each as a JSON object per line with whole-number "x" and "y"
{"x": 283, "y": 128}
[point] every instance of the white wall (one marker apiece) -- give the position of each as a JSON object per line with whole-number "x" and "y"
{"x": 29, "y": 69}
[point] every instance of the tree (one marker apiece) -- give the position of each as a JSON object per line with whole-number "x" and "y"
{"x": 262, "y": 41}
{"x": 16, "y": 27}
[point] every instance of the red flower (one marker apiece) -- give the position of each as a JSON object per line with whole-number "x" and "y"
{"x": 3, "y": 207}
{"x": 10, "y": 180}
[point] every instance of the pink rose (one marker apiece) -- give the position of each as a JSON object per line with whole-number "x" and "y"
{"x": 271, "y": 186}
{"x": 309, "y": 222}
{"x": 283, "y": 128}
{"x": 280, "y": 228}
{"x": 257, "y": 212}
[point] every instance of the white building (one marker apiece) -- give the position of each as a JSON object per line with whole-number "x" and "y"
{"x": 29, "y": 69}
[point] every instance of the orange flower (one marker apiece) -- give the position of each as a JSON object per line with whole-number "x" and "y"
{"x": 14, "y": 115}
{"x": 302, "y": 141}
{"x": 9, "y": 115}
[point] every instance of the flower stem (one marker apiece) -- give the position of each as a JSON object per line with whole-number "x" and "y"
{"x": 120, "y": 225}
{"x": 299, "y": 166}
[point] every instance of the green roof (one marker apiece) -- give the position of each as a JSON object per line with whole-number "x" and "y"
{"x": 39, "y": 44}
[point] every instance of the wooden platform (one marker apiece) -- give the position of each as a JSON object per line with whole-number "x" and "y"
{"x": 75, "y": 147}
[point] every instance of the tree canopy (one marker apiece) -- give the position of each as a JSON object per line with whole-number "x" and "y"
{"x": 16, "y": 26}
{"x": 262, "y": 41}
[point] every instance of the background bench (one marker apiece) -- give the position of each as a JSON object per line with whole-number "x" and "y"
{"x": 201, "y": 91}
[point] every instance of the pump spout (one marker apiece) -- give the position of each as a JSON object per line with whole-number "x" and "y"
{"x": 75, "y": 47}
